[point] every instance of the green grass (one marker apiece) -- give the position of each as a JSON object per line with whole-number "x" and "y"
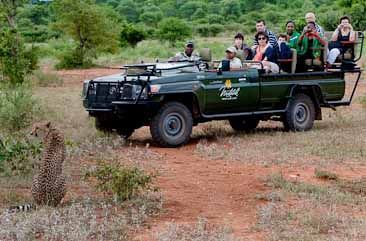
{"x": 147, "y": 50}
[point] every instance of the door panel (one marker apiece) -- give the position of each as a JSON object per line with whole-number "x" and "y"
{"x": 231, "y": 92}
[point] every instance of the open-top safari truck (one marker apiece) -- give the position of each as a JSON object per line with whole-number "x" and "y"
{"x": 171, "y": 98}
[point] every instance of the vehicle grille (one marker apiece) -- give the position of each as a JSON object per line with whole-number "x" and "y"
{"x": 103, "y": 90}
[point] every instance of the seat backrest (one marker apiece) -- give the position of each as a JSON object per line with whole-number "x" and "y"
{"x": 206, "y": 54}
{"x": 294, "y": 61}
{"x": 328, "y": 35}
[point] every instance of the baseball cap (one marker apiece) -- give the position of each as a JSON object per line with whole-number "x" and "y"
{"x": 190, "y": 44}
{"x": 231, "y": 50}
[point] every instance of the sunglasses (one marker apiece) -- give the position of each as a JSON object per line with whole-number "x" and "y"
{"x": 262, "y": 38}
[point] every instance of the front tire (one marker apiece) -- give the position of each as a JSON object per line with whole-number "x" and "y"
{"x": 300, "y": 115}
{"x": 103, "y": 125}
{"x": 172, "y": 125}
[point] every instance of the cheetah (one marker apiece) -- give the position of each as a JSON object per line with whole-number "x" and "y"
{"x": 49, "y": 185}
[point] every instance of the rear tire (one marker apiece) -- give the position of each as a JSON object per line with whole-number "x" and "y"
{"x": 247, "y": 125}
{"x": 172, "y": 125}
{"x": 300, "y": 115}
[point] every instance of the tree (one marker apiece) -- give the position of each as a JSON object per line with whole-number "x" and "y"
{"x": 89, "y": 26}
{"x": 173, "y": 29}
{"x": 129, "y": 10}
{"x": 231, "y": 8}
{"x": 152, "y": 15}
{"x": 15, "y": 60}
{"x": 131, "y": 35}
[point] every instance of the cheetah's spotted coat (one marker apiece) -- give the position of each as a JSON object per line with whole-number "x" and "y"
{"x": 48, "y": 186}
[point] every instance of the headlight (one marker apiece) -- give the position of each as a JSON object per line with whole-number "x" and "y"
{"x": 92, "y": 89}
{"x": 85, "y": 88}
{"x": 154, "y": 89}
{"x": 138, "y": 89}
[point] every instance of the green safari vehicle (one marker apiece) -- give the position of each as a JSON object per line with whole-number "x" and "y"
{"x": 171, "y": 98}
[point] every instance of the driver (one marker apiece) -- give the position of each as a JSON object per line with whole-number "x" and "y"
{"x": 188, "y": 54}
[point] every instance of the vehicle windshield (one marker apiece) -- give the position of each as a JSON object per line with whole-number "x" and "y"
{"x": 167, "y": 69}
{"x": 161, "y": 69}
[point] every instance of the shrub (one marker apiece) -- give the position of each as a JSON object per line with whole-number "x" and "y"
{"x": 173, "y": 29}
{"x": 131, "y": 35}
{"x": 209, "y": 30}
{"x": 75, "y": 58}
{"x": 122, "y": 182}
{"x": 17, "y": 108}
{"x": 15, "y": 60}
{"x": 323, "y": 174}
{"x": 17, "y": 157}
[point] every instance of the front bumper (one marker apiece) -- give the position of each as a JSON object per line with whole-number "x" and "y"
{"x": 125, "y": 109}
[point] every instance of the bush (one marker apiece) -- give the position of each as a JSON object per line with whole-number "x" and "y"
{"x": 75, "y": 58}
{"x": 131, "y": 35}
{"x": 123, "y": 182}
{"x": 173, "y": 29}
{"x": 209, "y": 30}
{"x": 17, "y": 157}
{"x": 17, "y": 108}
{"x": 15, "y": 60}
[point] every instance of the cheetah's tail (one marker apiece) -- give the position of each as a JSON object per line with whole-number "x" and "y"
{"x": 21, "y": 208}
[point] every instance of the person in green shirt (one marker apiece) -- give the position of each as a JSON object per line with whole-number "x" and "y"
{"x": 293, "y": 35}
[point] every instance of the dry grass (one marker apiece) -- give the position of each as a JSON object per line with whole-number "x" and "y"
{"x": 326, "y": 175}
{"x": 307, "y": 220}
{"x": 90, "y": 219}
{"x": 79, "y": 218}
{"x": 64, "y": 108}
{"x": 313, "y": 212}
{"x": 202, "y": 231}
{"x": 325, "y": 193}
{"x": 339, "y": 138}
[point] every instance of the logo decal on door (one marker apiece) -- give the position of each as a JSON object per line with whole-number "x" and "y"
{"x": 227, "y": 92}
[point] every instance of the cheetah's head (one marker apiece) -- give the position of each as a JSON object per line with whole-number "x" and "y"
{"x": 41, "y": 129}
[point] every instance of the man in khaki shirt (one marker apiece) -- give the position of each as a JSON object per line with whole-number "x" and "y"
{"x": 188, "y": 54}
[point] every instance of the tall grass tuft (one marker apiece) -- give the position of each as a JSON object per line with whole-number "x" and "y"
{"x": 18, "y": 108}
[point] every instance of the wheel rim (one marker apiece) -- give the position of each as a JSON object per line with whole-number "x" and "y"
{"x": 301, "y": 113}
{"x": 173, "y": 125}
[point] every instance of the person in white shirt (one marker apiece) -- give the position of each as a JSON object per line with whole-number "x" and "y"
{"x": 310, "y": 17}
{"x": 235, "y": 62}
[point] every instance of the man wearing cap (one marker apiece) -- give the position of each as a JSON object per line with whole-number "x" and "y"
{"x": 235, "y": 63}
{"x": 188, "y": 54}
{"x": 310, "y": 17}
{"x": 244, "y": 52}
